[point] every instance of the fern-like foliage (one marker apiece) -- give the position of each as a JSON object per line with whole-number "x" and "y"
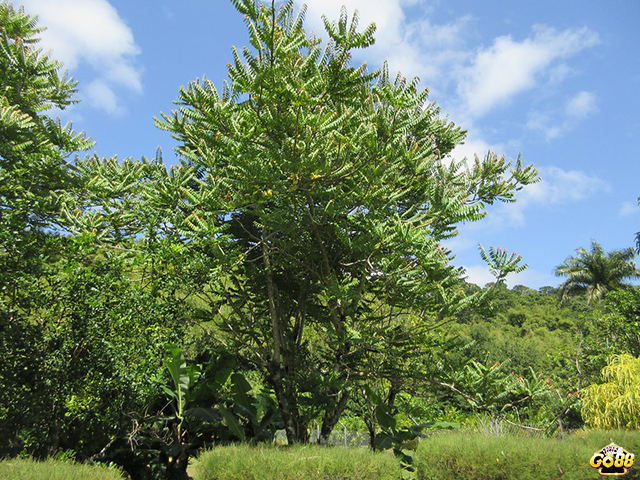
{"x": 500, "y": 263}
{"x": 317, "y": 194}
{"x": 614, "y": 404}
{"x": 33, "y": 146}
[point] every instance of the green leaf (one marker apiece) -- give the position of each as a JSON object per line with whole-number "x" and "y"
{"x": 232, "y": 423}
{"x": 177, "y": 367}
{"x": 385, "y": 419}
{"x": 210, "y": 415}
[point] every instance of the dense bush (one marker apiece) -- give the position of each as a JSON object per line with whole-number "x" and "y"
{"x": 466, "y": 456}
{"x": 292, "y": 463}
{"x": 23, "y": 469}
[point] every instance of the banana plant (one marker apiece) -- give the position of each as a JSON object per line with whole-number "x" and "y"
{"x": 183, "y": 376}
{"x": 161, "y": 445}
{"x": 251, "y": 418}
{"x": 192, "y": 398}
{"x": 200, "y": 416}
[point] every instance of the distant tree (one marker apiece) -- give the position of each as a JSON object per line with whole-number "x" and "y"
{"x": 315, "y": 196}
{"x": 547, "y": 290}
{"x": 594, "y": 272}
{"x": 614, "y": 330}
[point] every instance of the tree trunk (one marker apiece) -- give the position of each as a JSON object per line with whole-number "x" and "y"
{"x": 331, "y": 416}
{"x": 283, "y": 361}
{"x": 371, "y": 429}
{"x": 296, "y": 427}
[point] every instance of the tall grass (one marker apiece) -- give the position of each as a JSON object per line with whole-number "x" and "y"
{"x": 26, "y": 469}
{"x": 472, "y": 456}
{"x": 245, "y": 462}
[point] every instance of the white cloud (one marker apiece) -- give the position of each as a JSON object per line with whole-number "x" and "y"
{"x": 509, "y": 67}
{"x": 556, "y": 187}
{"x": 101, "y": 96}
{"x": 629, "y": 208}
{"x": 559, "y": 186}
{"x": 90, "y": 32}
{"x": 386, "y": 14}
{"x": 545, "y": 124}
{"x": 554, "y": 123}
{"x": 469, "y": 81}
{"x": 473, "y": 146}
{"x": 581, "y": 105}
{"x": 479, "y": 275}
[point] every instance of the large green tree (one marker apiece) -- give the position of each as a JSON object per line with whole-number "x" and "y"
{"x": 33, "y": 166}
{"x": 595, "y": 272}
{"x": 311, "y": 202}
{"x": 33, "y": 151}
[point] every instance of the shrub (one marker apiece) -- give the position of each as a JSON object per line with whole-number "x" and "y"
{"x": 466, "y": 456}
{"x": 616, "y": 403}
{"x": 243, "y": 462}
{"x": 27, "y": 469}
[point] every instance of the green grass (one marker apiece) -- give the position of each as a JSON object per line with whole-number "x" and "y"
{"x": 471, "y": 456}
{"x": 245, "y": 462}
{"x": 26, "y": 469}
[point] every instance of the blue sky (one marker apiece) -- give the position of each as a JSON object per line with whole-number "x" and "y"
{"x": 557, "y": 82}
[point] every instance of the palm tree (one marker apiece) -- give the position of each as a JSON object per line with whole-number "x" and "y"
{"x": 596, "y": 272}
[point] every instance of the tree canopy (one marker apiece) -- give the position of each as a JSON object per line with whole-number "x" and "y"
{"x": 315, "y": 195}
{"x": 77, "y": 338}
{"x": 33, "y": 146}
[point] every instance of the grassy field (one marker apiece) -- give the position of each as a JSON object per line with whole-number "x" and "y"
{"x": 25, "y": 469}
{"x": 459, "y": 455}
{"x": 296, "y": 463}
{"x": 468, "y": 456}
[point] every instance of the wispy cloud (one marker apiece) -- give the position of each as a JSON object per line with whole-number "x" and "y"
{"x": 470, "y": 80}
{"x": 101, "y": 96}
{"x": 559, "y": 186}
{"x": 472, "y": 146}
{"x": 555, "y": 122}
{"x": 92, "y": 33}
{"x": 581, "y": 105}
{"x": 629, "y": 208}
{"x": 509, "y": 67}
{"x": 479, "y": 275}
